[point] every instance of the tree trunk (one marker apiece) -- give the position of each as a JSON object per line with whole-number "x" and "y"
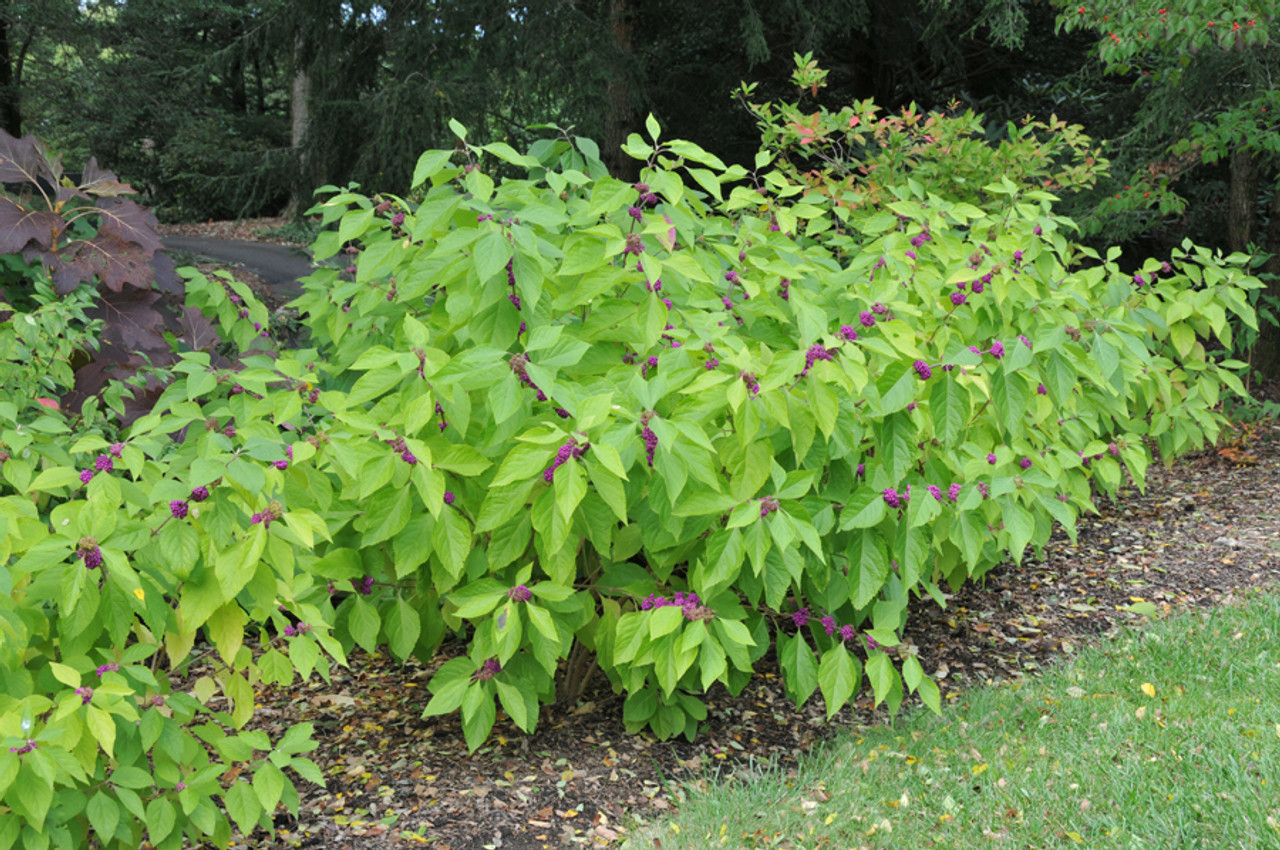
{"x": 1243, "y": 201}
{"x": 620, "y": 121}
{"x": 239, "y": 91}
{"x": 300, "y": 117}
{"x": 10, "y": 96}
{"x": 1265, "y": 356}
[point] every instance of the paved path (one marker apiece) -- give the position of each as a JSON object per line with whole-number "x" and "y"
{"x": 280, "y": 265}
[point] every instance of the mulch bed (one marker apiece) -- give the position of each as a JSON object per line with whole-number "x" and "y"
{"x": 243, "y": 230}
{"x": 1204, "y": 530}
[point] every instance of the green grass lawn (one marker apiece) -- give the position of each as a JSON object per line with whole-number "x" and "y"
{"x": 1165, "y": 738}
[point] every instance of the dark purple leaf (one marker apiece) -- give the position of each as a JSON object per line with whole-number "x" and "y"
{"x": 103, "y": 183}
{"x": 132, "y": 323}
{"x": 25, "y": 160}
{"x": 20, "y": 226}
{"x": 197, "y": 331}
{"x": 92, "y": 379}
{"x": 165, "y": 276}
{"x": 114, "y": 262}
{"x": 128, "y": 222}
{"x": 66, "y": 273}
{"x": 62, "y": 194}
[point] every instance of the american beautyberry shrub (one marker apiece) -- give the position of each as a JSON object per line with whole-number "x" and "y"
{"x": 596, "y": 465}
{"x": 122, "y": 553}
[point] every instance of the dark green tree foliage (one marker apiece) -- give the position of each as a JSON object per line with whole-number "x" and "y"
{"x": 34, "y": 39}
{"x": 1204, "y": 126}
{"x": 205, "y": 128}
{"x": 387, "y": 77}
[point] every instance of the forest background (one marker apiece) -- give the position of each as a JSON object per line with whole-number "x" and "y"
{"x": 242, "y": 108}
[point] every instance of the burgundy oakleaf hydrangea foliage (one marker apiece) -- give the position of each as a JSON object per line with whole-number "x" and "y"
{"x": 138, "y": 294}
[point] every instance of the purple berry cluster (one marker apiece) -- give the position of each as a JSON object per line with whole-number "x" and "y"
{"x": 85, "y": 694}
{"x": 488, "y": 670}
{"x": 299, "y": 629}
{"x": 647, "y": 198}
{"x": 568, "y": 450}
{"x": 178, "y": 509}
{"x": 802, "y": 617}
{"x": 848, "y": 333}
{"x": 363, "y": 586}
{"x": 87, "y": 550}
{"x": 519, "y": 365}
{"x": 688, "y": 603}
{"x": 398, "y": 444}
{"x": 894, "y": 499}
{"x": 922, "y": 369}
{"x": 109, "y": 667}
{"x": 749, "y": 379}
{"x": 768, "y": 505}
{"x": 274, "y": 511}
{"x": 647, "y": 434}
{"x": 520, "y": 593}
{"x": 813, "y": 355}
{"x": 511, "y": 282}
{"x": 784, "y": 289}
{"x": 25, "y": 748}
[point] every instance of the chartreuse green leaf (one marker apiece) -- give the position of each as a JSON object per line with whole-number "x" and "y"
{"x": 243, "y": 806}
{"x": 449, "y": 686}
{"x": 838, "y": 677}
{"x": 104, "y": 816}
{"x": 403, "y": 627}
{"x": 478, "y": 715}
{"x": 799, "y": 666}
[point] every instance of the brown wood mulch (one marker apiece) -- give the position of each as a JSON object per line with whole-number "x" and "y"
{"x": 1205, "y": 530}
{"x": 243, "y": 230}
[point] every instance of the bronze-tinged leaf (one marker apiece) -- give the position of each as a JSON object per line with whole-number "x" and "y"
{"x": 139, "y": 403}
{"x": 98, "y": 181}
{"x": 24, "y": 160}
{"x": 165, "y": 276}
{"x": 20, "y": 226}
{"x": 92, "y": 379}
{"x": 128, "y": 222}
{"x": 67, "y": 274}
{"x": 64, "y": 193}
{"x": 113, "y": 261}
{"x": 197, "y": 331}
{"x": 132, "y": 323}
